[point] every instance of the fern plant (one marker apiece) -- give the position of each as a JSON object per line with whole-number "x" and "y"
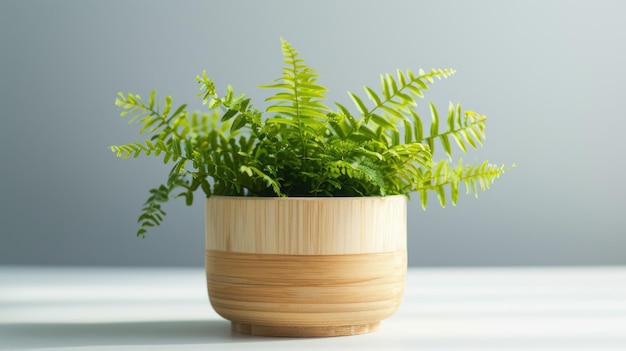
{"x": 300, "y": 146}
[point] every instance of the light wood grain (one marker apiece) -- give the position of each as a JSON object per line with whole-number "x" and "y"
{"x": 264, "y": 330}
{"x": 305, "y": 266}
{"x": 290, "y": 293}
{"x": 306, "y": 226}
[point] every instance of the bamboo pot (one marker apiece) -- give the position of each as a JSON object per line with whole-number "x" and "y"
{"x": 305, "y": 266}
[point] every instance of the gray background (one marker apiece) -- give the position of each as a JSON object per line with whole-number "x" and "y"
{"x": 548, "y": 74}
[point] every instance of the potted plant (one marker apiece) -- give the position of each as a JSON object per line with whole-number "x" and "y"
{"x": 306, "y": 204}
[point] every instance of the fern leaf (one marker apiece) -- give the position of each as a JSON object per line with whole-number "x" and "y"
{"x": 433, "y": 127}
{"x": 424, "y": 198}
{"x": 373, "y": 96}
{"x": 359, "y": 104}
{"x": 459, "y": 142}
{"x": 441, "y": 195}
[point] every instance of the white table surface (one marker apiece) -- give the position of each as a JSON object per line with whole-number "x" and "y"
{"x": 443, "y": 309}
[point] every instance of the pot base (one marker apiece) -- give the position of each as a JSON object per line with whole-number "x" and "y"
{"x": 303, "y": 332}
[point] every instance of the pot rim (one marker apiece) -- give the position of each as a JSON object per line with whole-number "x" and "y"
{"x": 304, "y": 198}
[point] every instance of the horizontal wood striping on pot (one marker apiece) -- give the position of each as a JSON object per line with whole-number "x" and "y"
{"x": 320, "y": 291}
{"x": 306, "y": 226}
{"x": 323, "y": 270}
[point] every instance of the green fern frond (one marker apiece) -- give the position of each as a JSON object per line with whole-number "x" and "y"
{"x": 150, "y": 114}
{"x": 442, "y": 176}
{"x": 172, "y": 149}
{"x": 392, "y": 116}
{"x": 462, "y": 127}
{"x": 298, "y": 104}
{"x": 369, "y": 178}
{"x": 250, "y": 171}
{"x": 399, "y": 94}
{"x": 152, "y": 213}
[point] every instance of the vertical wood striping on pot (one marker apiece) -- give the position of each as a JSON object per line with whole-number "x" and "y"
{"x": 306, "y": 226}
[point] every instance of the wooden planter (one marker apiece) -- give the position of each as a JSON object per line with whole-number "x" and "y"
{"x": 305, "y": 266}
